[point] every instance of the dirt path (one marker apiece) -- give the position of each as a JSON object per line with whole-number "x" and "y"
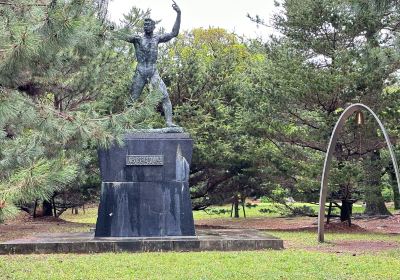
{"x": 389, "y": 226}
{"x": 24, "y": 226}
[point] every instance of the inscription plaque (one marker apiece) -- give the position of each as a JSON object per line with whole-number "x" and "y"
{"x": 140, "y": 160}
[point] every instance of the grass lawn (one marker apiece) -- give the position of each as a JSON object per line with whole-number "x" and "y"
{"x": 89, "y": 217}
{"x": 304, "y": 258}
{"x": 286, "y": 264}
{"x": 255, "y": 212}
{"x": 309, "y": 238}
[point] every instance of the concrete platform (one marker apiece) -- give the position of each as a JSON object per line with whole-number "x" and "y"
{"x": 206, "y": 240}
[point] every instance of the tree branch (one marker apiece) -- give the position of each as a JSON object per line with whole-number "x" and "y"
{"x": 29, "y": 5}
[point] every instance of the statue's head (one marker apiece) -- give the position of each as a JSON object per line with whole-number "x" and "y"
{"x": 149, "y": 25}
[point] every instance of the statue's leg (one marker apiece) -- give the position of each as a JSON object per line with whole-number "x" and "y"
{"x": 138, "y": 83}
{"x": 158, "y": 83}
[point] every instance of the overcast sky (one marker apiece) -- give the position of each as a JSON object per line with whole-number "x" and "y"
{"x": 228, "y": 14}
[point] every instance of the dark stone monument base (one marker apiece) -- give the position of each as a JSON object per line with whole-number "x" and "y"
{"x": 132, "y": 209}
{"x": 207, "y": 240}
{"x": 145, "y": 186}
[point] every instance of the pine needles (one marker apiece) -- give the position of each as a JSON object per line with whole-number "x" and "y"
{"x": 63, "y": 93}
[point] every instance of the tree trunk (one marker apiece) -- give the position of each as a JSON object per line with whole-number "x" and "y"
{"x": 34, "y": 209}
{"x": 47, "y": 209}
{"x": 376, "y": 206}
{"x": 375, "y": 203}
{"x": 396, "y": 194}
{"x": 243, "y": 200}
{"x": 346, "y": 210}
{"x": 236, "y": 206}
{"x": 54, "y": 207}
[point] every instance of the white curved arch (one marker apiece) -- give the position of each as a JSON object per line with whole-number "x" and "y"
{"x": 328, "y": 158}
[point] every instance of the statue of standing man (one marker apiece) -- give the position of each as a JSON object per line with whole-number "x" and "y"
{"x": 146, "y": 48}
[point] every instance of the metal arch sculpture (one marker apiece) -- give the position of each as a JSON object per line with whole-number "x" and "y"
{"x": 328, "y": 158}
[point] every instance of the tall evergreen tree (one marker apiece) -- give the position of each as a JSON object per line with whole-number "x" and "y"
{"x": 64, "y": 92}
{"x": 331, "y": 54}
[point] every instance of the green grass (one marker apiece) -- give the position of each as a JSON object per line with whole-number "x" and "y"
{"x": 297, "y": 262}
{"x": 254, "y": 212}
{"x": 293, "y": 263}
{"x": 286, "y": 264}
{"x": 89, "y": 217}
{"x": 309, "y": 238}
{"x": 91, "y": 213}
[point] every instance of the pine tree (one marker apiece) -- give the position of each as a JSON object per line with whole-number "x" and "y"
{"x": 331, "y": 54}
{"x": 63, "y": 93}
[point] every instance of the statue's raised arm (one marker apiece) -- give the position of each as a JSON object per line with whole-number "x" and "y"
{"x": 175, "y": 30}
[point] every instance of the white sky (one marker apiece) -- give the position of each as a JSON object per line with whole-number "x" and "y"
{"x": 227, "y": 14}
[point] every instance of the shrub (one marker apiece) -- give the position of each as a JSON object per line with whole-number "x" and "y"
{"x": 266, "y": 210}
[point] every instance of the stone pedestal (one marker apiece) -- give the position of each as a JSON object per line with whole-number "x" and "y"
{"x": 145, "y": 189}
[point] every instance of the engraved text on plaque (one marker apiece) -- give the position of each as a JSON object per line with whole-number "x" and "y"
{"x": 144, "y": 160}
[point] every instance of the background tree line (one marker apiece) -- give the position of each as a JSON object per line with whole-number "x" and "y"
{"x": 260, "y": 111}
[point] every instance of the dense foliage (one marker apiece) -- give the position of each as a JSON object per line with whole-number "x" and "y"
{"x": 260, "y": 112}
{"x": 331, "y": 54}
{"x": 63, "y": 93}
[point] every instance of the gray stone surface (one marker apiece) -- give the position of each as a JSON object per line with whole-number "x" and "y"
{"x": 146, "y": 200}
{"x": 206, "y": 240}
{"x": 145, "y": 209}
{"x": 173, "y": 129}
{"x": 113, "y": 166}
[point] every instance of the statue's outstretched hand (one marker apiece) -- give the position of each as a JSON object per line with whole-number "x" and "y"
{"x": 175, "y": 7}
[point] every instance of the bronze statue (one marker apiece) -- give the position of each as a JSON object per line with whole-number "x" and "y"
{"x": 146, "y": 48}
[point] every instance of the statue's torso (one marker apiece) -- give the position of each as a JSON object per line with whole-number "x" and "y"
{"x": 146, "y": 54}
